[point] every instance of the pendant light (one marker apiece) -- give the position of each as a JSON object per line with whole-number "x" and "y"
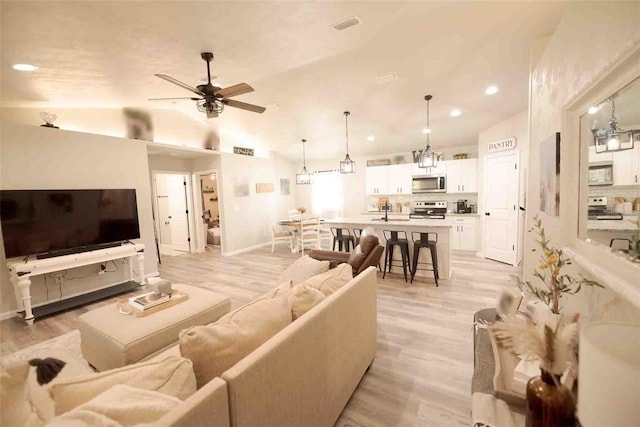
{"x": 613, "y": 138}
{"x": 347, "y": 165}
{"x": 613, "y": 134}
{"x": 303, "y": 177}
{"x": 427, "y": 159}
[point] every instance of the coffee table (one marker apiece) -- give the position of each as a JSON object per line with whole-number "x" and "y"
{"x": 111, "y": 339}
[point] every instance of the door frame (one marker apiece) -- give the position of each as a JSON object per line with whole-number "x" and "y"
{"x": 519, "y": 219}
{"x": 197, "y": 197}
{"x": 189, "y": 196}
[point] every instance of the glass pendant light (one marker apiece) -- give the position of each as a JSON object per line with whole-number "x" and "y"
{"x": 428, "y": 159}
{"x": 303, "y": 177}
{"x": 612, "y": 138}
{"x": 347, "y": 165}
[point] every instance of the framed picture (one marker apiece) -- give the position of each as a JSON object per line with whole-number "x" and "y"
{"x": 509, "y": 301}
{"x": 285, "y": 187}
{"x": 550, "y": 175}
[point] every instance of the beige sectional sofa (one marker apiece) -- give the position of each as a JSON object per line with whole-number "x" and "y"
{"x": 302, "y": 376}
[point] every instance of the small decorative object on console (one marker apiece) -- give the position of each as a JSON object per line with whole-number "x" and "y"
{"x": 48, "y": 118}
{"x": 161, "y": 286}
{"x": 549, "y": 402}
{"x": 508, "y": 302}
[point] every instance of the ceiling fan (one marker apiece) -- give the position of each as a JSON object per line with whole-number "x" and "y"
{"x": 212, "y": 98}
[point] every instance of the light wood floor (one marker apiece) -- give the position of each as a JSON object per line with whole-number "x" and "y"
{"x": 422, "y": 372}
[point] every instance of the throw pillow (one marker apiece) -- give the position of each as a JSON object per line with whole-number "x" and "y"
{"x": 216, "y": 347}
{"x": 302, "y": 269}
{"x": 121, "y": 405}
{"x": 17, "y": 406}
{"x": 172, "y": 376}
{"x": 332, "y": 280}
{"x": 303, "y": 299}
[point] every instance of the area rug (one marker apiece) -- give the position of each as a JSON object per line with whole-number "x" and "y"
{"x": 68, "y": 344}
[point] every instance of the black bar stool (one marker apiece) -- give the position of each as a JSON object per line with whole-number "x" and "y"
{"x": 342, "y": 236}
{"x": 425, "y": 240}
{"x": 396, "y": 238}
{"x": 357, "y": 233}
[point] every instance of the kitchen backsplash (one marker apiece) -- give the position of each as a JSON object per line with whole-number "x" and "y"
{"x": 629, "y": 192}
{"x": 451, "y": 199}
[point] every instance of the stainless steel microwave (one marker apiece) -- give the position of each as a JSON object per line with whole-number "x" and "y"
{"x": 601, "y": 173}
{"x": 429, "y": 184}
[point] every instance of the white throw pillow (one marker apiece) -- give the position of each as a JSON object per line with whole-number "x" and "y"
{"x": 121, "y": 406}
{"x": 302, "y": 269}
{"x": 332, "y": 280}
{"x": 18, "y": 408}
{"x": 172, "y": 376}
{"x": 216, "y": 347}
{"x": 303, "y": 299}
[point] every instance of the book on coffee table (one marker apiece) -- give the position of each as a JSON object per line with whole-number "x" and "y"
{"x": 150, "y": 299}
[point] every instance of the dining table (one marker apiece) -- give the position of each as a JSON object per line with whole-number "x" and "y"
{"x": 297, "y": 226}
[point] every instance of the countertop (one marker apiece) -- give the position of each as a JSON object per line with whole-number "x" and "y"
{"x": 405, "y": 215}
{"x": 411, "y": 223}
{"x": 627, "y": 223}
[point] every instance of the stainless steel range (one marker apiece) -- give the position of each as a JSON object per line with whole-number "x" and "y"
{"x": 598, "y": 210}
{"x": 428, "y": 209}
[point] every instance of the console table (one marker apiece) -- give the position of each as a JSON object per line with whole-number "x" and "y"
{"x": 21, "y": 271}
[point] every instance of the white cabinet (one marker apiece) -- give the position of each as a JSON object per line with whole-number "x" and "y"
{"x": 376, "y": 180}
{"x": 393, "y": 179}
{"x": 626, "y": 166}
{"x": 399, "y": 179}
{"x": 463, "y": 233}
{"x": 461, "y": 176}
{"x": 606, "y": 156}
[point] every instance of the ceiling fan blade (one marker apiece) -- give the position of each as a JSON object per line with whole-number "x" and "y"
{"x": 235, "y": 90}
{"x": 244, "y": 106}
{"x": 171, "y": 99}
{"x": 179, "y": 83}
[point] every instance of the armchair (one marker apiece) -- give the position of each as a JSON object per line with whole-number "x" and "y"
{"x": 365, "y": 255}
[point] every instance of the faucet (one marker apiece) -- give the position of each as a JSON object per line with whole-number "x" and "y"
{"x": 386, "y": 211}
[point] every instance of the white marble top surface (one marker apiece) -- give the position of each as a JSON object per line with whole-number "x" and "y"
{"x": 625, "y": 224}
{"x": 411, "y": 223}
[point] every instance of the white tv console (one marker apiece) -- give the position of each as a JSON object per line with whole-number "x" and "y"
{"x": 21, "y": 271}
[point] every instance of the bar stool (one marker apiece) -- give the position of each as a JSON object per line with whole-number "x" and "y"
{"x": 357, "y": 233}
{"x": 396, "y": 238}
{"x": 422, "y": 240}
{"x": 342, "y": 236}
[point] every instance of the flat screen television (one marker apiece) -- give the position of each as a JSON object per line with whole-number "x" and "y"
{"x": 66, "y": 221}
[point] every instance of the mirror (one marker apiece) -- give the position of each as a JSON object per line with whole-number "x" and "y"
{"x": 610, "y": 179}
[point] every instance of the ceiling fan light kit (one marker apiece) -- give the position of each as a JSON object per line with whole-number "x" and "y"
{"x": 212, "y": 99}
{"x": 347, "y": 165}
{"x": 427, "y": 158}
{"x": 304, "y": 177}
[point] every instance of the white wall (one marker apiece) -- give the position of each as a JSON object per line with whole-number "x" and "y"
{"x": 247, "y": 221}
{"x": 33, "y": 157}
{"x": 577, "y": 54}
{"x": 513, "y": 126}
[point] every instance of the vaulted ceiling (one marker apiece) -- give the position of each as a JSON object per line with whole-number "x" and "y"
{"x": 105, "y": 54}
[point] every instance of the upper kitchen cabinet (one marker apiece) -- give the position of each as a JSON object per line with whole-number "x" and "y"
{"x": 376, "y": 180}
{"x": 461, "y": 176}
{"x": 626, "y": 166}
{"x": 399, "y": 179}
{"x": 441, "y": 169}
{"x": 606, "y": 156}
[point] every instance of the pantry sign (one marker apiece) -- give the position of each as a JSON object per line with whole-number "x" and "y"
{"x": 502, "y": 145}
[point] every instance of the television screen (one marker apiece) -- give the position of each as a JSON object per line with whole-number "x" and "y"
{"x": 41, "y": 221}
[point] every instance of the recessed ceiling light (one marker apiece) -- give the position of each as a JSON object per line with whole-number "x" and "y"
{"x": 594, "y": 109}
{"x": 24, "y": 67}
{"x": 426, "y": 131}
{"x": 491, "y": 90}
{"x": 455, "y": 112}
{"x": 371, "y": 138}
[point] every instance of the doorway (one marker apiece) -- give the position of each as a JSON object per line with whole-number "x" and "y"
{"x": 208, "y": 183}
{"x": 173, "y": 219}
{"x": 501, "y": 211}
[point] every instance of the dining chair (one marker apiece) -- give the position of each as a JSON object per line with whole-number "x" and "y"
{"x": 281, "y": 236}
{"x": 309, "y": 235}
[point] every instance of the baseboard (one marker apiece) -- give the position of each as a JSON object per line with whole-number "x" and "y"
{"x": 249, "y": 249}
{"x": 8, "y": 315}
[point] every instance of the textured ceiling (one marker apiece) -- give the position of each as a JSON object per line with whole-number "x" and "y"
{"x": 104, "y": 54}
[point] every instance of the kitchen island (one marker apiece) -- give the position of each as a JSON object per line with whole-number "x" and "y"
{"x": 407, "y": 225}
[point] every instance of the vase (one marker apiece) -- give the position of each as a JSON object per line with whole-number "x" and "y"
{"x": 549, "y": 403}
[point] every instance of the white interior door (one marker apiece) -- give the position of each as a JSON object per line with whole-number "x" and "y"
{"x": 176, "y": 189}
{"x": 501, "y": 186}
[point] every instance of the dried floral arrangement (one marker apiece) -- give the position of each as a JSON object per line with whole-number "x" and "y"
{"x": 555, "y": 348}
{"x": 302, "y": 210}
{"x": 549, "y": 272}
